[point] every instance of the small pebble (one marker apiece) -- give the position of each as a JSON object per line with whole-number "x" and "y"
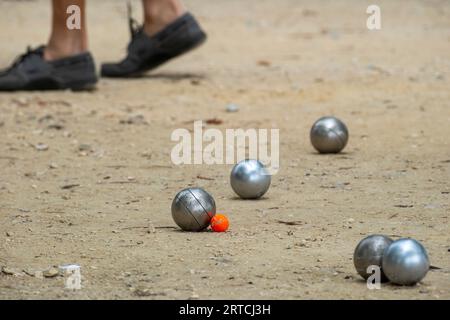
{"x": 194, "y": 296}
{"x": 51, "y": 273}
{"x": 41, "y": 147}
{"x": 53, "y": 166}
{"x": 136, "y": 119}
{"x": 84, "y": 147}
{"x": 232, "y": 108}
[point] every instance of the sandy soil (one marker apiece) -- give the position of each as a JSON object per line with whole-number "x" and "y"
{"x": 285, "y": 63}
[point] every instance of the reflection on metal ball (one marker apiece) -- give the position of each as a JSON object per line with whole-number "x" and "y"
{"x": 329, "y": 135}
{"x": 368, "y": 252}
{"x": 405, "y": 262}
{"x": 250, "y": 179}
{"x": 192, "y": 209}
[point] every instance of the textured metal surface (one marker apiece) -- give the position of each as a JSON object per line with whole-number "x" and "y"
{"x": 368, "y": 252}
{"x": 405, "y": 262}
{"x": 192, "y": 209}
{"x": 250, "y": 179}
{"x": 329, "y": 135}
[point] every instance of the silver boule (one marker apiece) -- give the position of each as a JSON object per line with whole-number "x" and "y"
{"x": 329, "y": 135}
{"x": 405, "y": 262}
{"x": 250, "y": 179}
{"x": 368, "y": 252}
{"x": 193, "y": 208}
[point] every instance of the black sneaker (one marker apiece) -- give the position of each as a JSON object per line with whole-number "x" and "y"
{"x": 31, "y": 72}
{"x": 148, "y": 52}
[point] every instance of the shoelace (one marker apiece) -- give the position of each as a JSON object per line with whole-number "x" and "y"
{"x": 135, "y": 27}
{"x": 24, "y": 56}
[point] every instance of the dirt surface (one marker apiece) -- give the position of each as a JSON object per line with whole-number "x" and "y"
{"x": 86, "y": 177}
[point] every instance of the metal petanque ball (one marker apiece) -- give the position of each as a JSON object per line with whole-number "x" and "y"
{"x": 250, "y": 179}
{"x": 192, "y": 209}
{"x": 405, "y": 262}
{"x": 329, "y": 135}
{"x": 368, "y": 252}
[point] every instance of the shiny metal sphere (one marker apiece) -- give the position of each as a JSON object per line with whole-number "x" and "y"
{"x": 368, "y": 252}
{"x": 405, "y": 262}
{"x": 192, "y": 209}
{"x": 250, "y": 179}
{"x": 329, "y": 135}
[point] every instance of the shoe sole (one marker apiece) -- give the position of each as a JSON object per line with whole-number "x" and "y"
{"x": 83, "y": 86}
{"x": 52, "y": 85}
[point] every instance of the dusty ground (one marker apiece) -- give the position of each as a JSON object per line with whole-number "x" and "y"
{"x": 285, "y": 63}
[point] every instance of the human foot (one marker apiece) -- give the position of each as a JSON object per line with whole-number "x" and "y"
{"x": 148, "y": 52}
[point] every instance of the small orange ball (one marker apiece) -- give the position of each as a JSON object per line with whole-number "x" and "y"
{"x": 219, "y": 223}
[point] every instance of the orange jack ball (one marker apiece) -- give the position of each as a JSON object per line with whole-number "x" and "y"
{"x": 219, "y": 223}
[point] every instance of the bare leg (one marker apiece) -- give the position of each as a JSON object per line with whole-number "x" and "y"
{"x": 64, "y": 42}
{"x": 159, "y": 13}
